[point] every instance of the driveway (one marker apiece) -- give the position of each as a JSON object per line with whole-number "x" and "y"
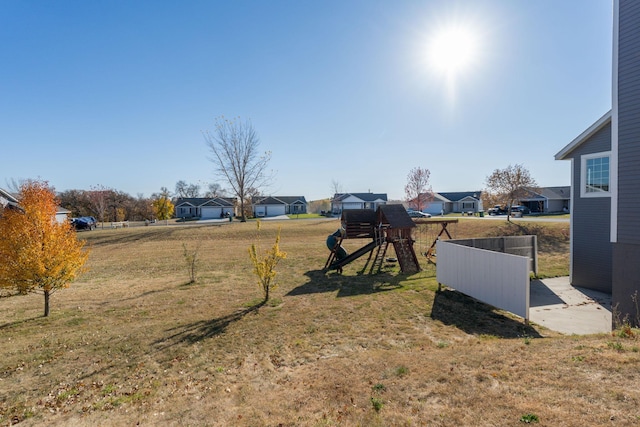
{"x": 524, "y": 218}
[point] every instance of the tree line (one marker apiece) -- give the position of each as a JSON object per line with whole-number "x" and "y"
{"x": 106, "y": 204}
{"x": 109, "y": 205}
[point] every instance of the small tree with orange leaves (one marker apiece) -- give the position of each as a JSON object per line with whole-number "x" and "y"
{"x": 37, "y": 253}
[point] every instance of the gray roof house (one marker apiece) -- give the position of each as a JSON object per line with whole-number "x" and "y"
{"x": 548, "y": 199}
{"x": 346, "y": 201}
{"x": 204, "y": 207}
{"x": 281, "y": 205}
{"x": 459, "y": 201}
{"x": 7, "y": 200}
{"x": 605, "y": 180}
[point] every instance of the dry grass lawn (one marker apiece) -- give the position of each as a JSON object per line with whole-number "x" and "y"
{"x": 133, "y": 343}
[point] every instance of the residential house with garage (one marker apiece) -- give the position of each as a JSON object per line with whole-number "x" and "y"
{"x": 204, "y": 207}
{"x": 462, "y": 201}
{"x": 9, "y": 201}
{"x": 270, "y": 206}
{"x": 547, "y": 199}
{"x": 605, "y": 171}
{"x": 345, "y": 201}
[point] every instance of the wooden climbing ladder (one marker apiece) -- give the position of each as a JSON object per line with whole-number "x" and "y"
{"x": 406, "y": 256}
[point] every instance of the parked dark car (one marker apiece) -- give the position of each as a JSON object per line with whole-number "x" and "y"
{"x": 522, "y": 209}
{"x": 418, "y": 214}
{"x": 497, "y": 210}
{"x": 84, "y": 223}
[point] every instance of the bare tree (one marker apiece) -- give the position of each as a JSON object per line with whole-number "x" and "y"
{"x": 184, "y": 190}
{"x": 418, "y": 191}
{"x": 77, "y": 201}
{"x": 336, "y": 187}
{"x": 510, "y": 184}
{"x": 14, "y": 185}
{"x": 181, "y": 188}
{"x": 234, "y": 145}
{"x": 215, "y": 190}
{"x": 98, "y": 196}
{"x": 336, "y": 190}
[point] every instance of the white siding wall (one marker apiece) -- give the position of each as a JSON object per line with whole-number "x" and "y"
{"x": 501, "y": 280}
{"x": 62, "y": 218}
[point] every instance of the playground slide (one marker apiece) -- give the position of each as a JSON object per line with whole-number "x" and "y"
{"x": 352, "y": 257}
{"x": 332, "y": 241}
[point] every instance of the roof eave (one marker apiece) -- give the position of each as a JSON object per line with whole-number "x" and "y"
{"x": 599, "y": 124}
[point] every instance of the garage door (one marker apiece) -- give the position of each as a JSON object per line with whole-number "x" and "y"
{"x": 210, "y": 213}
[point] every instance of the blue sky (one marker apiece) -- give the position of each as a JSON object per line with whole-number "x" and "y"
{"x": 118, "y": 93}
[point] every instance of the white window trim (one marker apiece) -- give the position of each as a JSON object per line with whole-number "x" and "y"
{"x": 583, "y": 175}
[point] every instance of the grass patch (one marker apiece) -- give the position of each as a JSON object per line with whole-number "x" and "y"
{"x": 306, "y": 216}
{"x": 377, "y": 403}
{"x": 130, "y": 343}
{"x": 529, "y": 418}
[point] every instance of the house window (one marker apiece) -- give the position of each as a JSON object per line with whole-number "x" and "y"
{"x": 595, "y": 175}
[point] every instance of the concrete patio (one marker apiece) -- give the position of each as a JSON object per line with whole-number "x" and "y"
{"x": 557, "y": 305}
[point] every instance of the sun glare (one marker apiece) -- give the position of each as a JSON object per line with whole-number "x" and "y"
{"x": 452, "y": 50}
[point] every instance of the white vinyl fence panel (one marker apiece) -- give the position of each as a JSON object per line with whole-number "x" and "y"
{"x": 495, "y": 278}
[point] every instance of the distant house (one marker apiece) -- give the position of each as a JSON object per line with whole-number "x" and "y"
{"x": 464, "y": 201}
{"x": 62, "y": 214}
{"x": 280, "y": 205}
{"x": 548, "y": 199}
{"x": 7, "y": 200}
{"x": 605, "y": 178}
{"x": 204, "y": 207}
{"x": 345, "y": 201}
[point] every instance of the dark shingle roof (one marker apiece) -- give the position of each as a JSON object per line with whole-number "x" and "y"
{"x": 202, "y": 201}
{"x": 292, "y": 199}
{"x": 459, "y": 195}
{"x": 563, "y": 192}
{"x": 396, "y": 216}
{"x": 367, "y": 197}
{"x": 278, "y": 200}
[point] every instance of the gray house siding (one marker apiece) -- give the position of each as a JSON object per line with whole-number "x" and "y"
{"x": 592, "y": 249}
{"x": 591, "y": 219}
{"x": 629, "y": 124}
{"x": 626, "y": 251}
{"x": 590, "y": 214}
